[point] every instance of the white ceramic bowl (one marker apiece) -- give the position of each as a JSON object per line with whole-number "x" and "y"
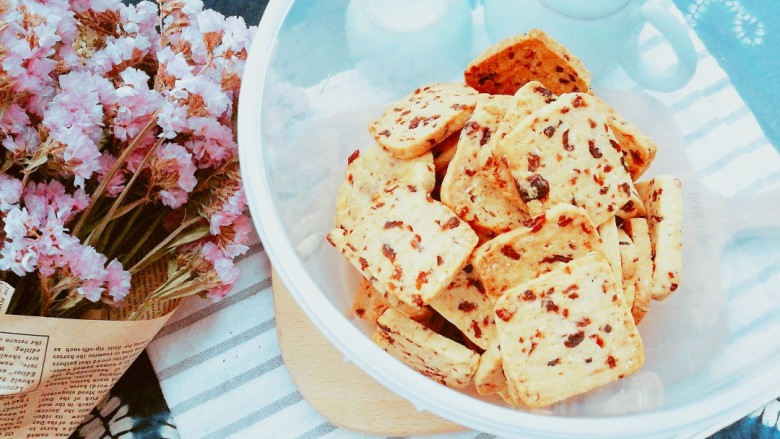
{"x": 305, "y": 104}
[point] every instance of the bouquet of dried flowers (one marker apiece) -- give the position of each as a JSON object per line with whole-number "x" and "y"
{"x": 117, "y": 126}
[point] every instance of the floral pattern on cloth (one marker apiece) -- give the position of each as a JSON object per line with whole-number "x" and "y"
{"x": 742, "y": 35}
{"x": 134, "y": 409}
{"x": 763, "y": 423}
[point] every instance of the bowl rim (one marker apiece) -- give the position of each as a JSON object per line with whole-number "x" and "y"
{"x": 424, "y": 393}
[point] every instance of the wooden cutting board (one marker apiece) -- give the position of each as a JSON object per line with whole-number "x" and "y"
{"x": 341, "y": 392}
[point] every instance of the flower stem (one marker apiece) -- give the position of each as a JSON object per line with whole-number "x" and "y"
{"x": 150, "y": 229}
{"x": 185, "y": 289}
{"x": 118, "y": 201}
{"x": 188, "y": 288}
{"x": 122, "y": 239}
{"x": 69, "y": 306}
{"x": 46, "y": 298}
{"x": 120, "y": 161}
{"x": 177, "y": 281}
{"x": 136, "y": 315}
{"x": 160, "y": 249}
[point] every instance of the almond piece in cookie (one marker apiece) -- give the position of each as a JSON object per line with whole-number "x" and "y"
{"x": 422, "y": 119}
{"x": 662, "y": 197}
{"x": 558, "y": 236}
{"x": 431, "y": 354}
{"x": 467, "y": 188}
{"x": 566, "y": 332}
{"x": 369, "y": 170}
{"x": 510, "y": 64}
{"x": 406, "y": 243}
{"x": 565, "y": 153}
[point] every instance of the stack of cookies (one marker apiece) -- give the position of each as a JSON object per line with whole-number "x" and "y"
{"x": 503, "y": 230}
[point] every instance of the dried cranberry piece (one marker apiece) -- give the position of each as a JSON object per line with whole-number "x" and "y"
{"x": 538, "y": 190}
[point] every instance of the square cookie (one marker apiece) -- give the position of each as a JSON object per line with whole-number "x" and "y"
{"x": 465, "y": 304}
{"x": 662, "y": 197}
{"x": 566, "y": 332}
{"x": 368, "y": 172}
{"x": 424, "y": 118}
{"x": 467, "y": 187}
{"x": 406, "y": 243}
{"x": 510, "y": 64}
{"x": 556, "y": 237}
{"x": 565, "y": 152}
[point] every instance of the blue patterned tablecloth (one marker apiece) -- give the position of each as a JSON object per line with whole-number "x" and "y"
{"x": 742, "y": 35}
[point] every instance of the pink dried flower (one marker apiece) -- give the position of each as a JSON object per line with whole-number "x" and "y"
{"x": 230, "y": 209}
{"x": 210, "y": 21}
{"x": 74, "y": 155}
{"x": 211, "y": 25}
{"x": 23, "y": 145}
{"x": 136, "y": 104}
{"x": 120, "y": 52}
{"x": 53, "y": 248}
{"x": 31, "y": 34}
{"x": 21, "y": 139}
{"x": 75, "y": 92}
{"x": 14, "y": 119}
{"x": 177, "y": 15}
{"x": 117, "y": 281}
{"x": 77, "y": 106}
{"x": 88, "y": 268}
{"x": 29, "y": 71}
{"x": 232, "y": 239}
{"x": 141, "y": 19}
{"x": 18, "y": 223}
{"x": 172, "y": 119}
{"x": 82, "y": 271}
{"x": 35, "y": 234}
{"x": 114, "y": 36}
{"x": 202, "y": 96}
{"x": 174, "y": 65}
{"x": 236, "y": 38}
{"x": 212, "y": 143}
{"x": 10, "y": 192}
{"x": 222, "y": 273}
{"x": 74, "y": 120}
{"x": 172, "y": 174}
{"x": 19, "y": 251}
{"x": 81, "y": 6}
{"x": 18, "y": 256}
{"x": 45, "y": 199}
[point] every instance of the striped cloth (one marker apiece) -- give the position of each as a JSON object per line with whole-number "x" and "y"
{"x": 219, "y": 364}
